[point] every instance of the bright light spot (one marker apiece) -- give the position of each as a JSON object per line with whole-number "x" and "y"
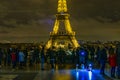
{"x": 82, "y": 53}
{"x": 77, "y": 75}
{"x": 90, "y": 75}
{"x": 90, "y": 64}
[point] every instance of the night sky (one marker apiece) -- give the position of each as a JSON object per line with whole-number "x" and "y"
{"x": 32, "y": 20}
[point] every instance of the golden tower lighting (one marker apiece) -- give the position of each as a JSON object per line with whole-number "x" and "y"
{"x": 62, "y": 34}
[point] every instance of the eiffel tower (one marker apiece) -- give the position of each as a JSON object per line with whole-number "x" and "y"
{"x": 62, "y": 34}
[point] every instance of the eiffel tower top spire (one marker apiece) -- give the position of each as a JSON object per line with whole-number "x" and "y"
{"x": 62, "y": 6}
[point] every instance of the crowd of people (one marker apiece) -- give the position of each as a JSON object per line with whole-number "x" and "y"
{"x": 96, "y": 55}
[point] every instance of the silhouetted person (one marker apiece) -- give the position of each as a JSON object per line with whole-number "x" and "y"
{"x": 112, "y": 62}
{"x": 52, "y": 54}
{"x": 82, "y": 56}
{"x": 21, "y": 58}
{"x": 92, "y": 51}
{"x": 42, "y": 56}
{"x": 103, "y": 60}
{"x": 118, "y": 60}
{"x": 13, "y": 58}
{"x": 61, "y": 56}
{"x": 0, "y": 57}
{"x": 9, "y": 56}
{"x": 98, "y": 51}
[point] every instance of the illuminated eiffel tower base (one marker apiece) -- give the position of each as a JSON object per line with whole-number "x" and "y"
{"x": 62, "y": 34}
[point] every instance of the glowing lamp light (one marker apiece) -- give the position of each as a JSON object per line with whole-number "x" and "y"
{"x": 82, "y": 53}
{"x": 90, "y": 64}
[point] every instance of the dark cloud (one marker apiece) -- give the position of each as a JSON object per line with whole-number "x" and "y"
{"x": 4, "y": 32}
{"x": 27, "y": 10}
{"x": 90, "y": 19}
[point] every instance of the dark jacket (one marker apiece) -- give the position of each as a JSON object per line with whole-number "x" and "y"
{"x": 118, "y": 55}
{"x": 1, "y": 54}
{"x": 52, "y": 54}
{"x": 103, "y": 56}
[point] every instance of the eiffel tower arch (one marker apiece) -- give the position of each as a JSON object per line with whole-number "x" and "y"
{"x": 62, "y": 34}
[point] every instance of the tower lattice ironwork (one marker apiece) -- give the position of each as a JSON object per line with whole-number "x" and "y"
{"x": 62, "y": 34}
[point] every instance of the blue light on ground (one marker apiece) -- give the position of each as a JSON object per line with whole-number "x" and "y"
{"x": 80, "y": 76}
{"x": 90, "y": 75}
{"x": 85, "y": 74}
{"x": 77, "y": 75}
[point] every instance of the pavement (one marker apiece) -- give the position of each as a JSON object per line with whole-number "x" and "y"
{"x": 67, "y": 72}
{"x": 71, "y": 75}
{"x": 8, "y": 77}
{"x": 107, "y": 72}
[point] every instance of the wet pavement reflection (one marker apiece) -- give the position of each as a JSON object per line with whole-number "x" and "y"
{"x": 71, "y": 75}
{"x": 67, "y": 72}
